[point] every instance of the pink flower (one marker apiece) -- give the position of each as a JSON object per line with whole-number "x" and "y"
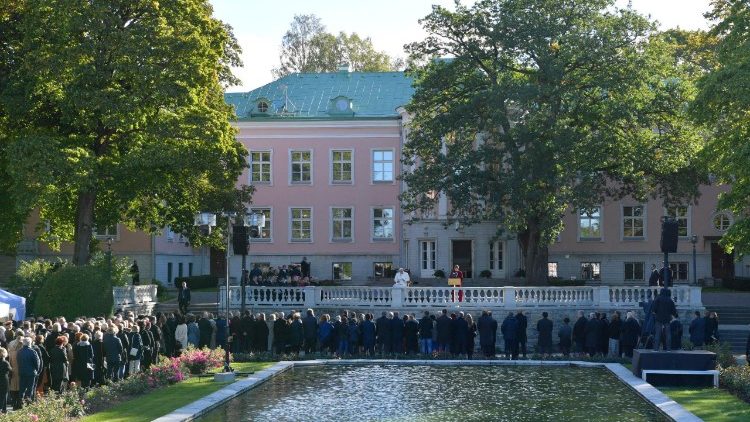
{"x": 34, "y": 418}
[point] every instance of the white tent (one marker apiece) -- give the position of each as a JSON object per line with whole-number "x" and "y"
{"x": 17, "y": 304}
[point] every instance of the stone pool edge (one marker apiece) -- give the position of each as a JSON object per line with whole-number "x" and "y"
{"x": 198, "y": 408}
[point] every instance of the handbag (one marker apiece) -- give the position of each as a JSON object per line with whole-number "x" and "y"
{"x": 133, "y": 352}
{"x": 90, "y": 366}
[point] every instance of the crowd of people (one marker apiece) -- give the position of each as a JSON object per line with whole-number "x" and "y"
{"x": 283, "y": 275}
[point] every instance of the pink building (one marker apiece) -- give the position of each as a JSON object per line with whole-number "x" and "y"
{"x": 324, "y": 153}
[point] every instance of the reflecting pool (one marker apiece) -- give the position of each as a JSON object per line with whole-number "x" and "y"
{"x": 439, "y": 393}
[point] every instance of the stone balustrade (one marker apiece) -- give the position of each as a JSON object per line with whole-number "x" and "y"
{"x": 139, "y": 299}
{"x": 507, "y": 297}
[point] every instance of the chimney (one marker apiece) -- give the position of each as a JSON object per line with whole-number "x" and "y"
{"x": 344, "y": 68}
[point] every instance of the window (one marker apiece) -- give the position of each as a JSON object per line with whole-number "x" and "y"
{"x": 301, "y": 224}
{"x": 108, "y": 232}
{"x": 341, "y": 226}
{"x": 383, "y": 269}
{"x": 170, "y": 234}
{"x": 190, "y": 269}
{"x": 169, "y": 273}
{"x": 265, "y": 234}
{"x": 301, "y": 166}
{"x": 722, "y": 222}
{"x": 590, "y": 223}
{"x": 341, "y": 167}
{"x": 632, "y": 222}
{"x": 382, "y": 166}
{"x": 496, "y": 255}
{"x": 590, "y": 270}
{"x": 262, "y": 107}
{"x": 260, "y": 166}
{"x": 342, "y": 270}
{"x": 679, "y": 270}
{"x": 427, "y": 252}
{"x": 552, "y": 269}
{"x": 680, "y": 214}
{"x": 634, "y": 271}
{"x": 382, "y": 223}
{"x": 179, "y": 269}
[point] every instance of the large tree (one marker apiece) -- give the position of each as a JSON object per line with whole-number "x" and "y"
{"x": 724, "y": 103}
{"x": 527, "y": 109}
{"x": 307, "y": 47}
{"x": 115, "y": 114}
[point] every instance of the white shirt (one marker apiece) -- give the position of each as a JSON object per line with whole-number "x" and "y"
{"x": 401, "y": 280}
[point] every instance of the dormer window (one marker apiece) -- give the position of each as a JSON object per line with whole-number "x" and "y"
{"x": 341, "y": 105}
{"x": 262, "y": 107}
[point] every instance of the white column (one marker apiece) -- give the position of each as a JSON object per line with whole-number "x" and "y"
{"x": 601, "y": 296}
{"x": 397, "y": 297}
{"x": 312, "y": 295}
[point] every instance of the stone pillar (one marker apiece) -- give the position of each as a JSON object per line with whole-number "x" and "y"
{"x": 601, "y": 297}
{"x": 696, "y": 300}
{"x": 509, "y": 297}
{"x": 312, "y": 294}
{"x": 397, "y": 297}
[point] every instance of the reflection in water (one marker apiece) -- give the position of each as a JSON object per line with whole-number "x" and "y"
{"x": 437, "y": 393}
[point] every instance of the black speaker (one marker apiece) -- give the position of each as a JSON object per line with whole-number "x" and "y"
{"x": 254, "y": 232}
{"x": 240, "y": 240}
{"x": 669, "y": 232}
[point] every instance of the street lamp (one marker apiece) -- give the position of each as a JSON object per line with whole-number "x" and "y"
{"x": 694, "y": 240}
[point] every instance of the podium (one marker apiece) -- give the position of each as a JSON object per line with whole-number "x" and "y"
{"x": 454, "y": 282}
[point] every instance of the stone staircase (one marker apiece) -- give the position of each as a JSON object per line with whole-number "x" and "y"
{"x": 733, "y": 325}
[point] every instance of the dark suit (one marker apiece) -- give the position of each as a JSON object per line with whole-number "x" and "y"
{"x": 384, "y": 334}
{"x": 29, "y": 366}
{"x": 58, "y": 368}
{"x": 443, "y": 333}
{"x": 487, "y": 327}
{"x": 397, "y": 335}
{"x": 183, "y": 299}
{"x": 697, "y": 331}
{"x": 544, "y": 345}
{"x": 113, "y": 351}
{"x": 509, "y": 329}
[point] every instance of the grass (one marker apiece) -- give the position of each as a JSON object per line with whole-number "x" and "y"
{"x": 160, "y": 402}
{"x": 710, "y": 404}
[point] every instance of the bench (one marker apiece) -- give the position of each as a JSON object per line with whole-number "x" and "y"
{"x": 713, "y": 372}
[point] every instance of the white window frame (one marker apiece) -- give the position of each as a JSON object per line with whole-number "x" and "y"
{"x": 556, "y": 266}
{"x": 261, "y": 163}
{"x": 676, "y": 270}
{"x": 340, "y": 263}
{"x": 107, "y": 235}
{"x": 688, "y": 217}
{"x": 601, "y": 225}
{"x": 372, "y": 224}
{"x": 643, "y": 218}
{"x": 291, "y": 164}
{"x": 428, "y": 256}
{"x": 598, "y": 263}
{"x": 720, "y": 214}
{"x": 625, "y": 270}
{"x": 497, "y": 257}
{"x": 292, "y": 239}
{"x": 334, "y": 220}
{"x": 333, "y": 163}
{"x": 373, "y": 162}
{"x": 268, "y": 225}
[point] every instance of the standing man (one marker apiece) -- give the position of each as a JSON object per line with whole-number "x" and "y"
{"x": 663, "y": 276}
{"x": 29, "y": 366}
{"x": 487, "y": 327}
{"x": 653, "y": 279}
{"x": 663, "y": 310}
{"x": 510, "y": 331}
{"x": 443, "y": 331}
{"x": 544, "y": 326}
{"x": 521, "y": 337}
{"x": 697, "y": 330}
{"x": 565, "y": 335}
{"x": 383, "y": 333}
{"x": 425, "y": 334}
{"x": 579, "y": 333}
{"x": 183, "y": 298}
{"x": 629, "y": 334}
{"x": 310, "y": 328}
{"x": 305, "y": 268}
{"x": 401, "y": 279}
{"x": 592, "y": 334}
{"x": 135, "y": 273}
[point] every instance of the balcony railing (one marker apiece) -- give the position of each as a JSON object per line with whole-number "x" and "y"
{"x": 134, "y": 295}
{"x": 585, "y": 297}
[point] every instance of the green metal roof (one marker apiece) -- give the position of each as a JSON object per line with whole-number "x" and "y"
{"x": 335, "y": 96}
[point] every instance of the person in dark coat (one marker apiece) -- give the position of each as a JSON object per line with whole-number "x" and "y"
{"x": 509, "y": 328}
{"x": 136, "y": 345}
{"x": 614, "y": 331}
{"x": 44, "y": 356}
{"x": 326, "y": 337}
{"x": 383, "y": 333}
{"x": 29, "y": 366}
{"x": 83, "y": 363}
{"x": 310, "y": 326}
{"x": 341, "y": 327}
{"x": 221, "y": 332}
{"x": 367, "y": 328}
{"x": 411, "y": 335}
{"x": 125, "y": 340}
{"x": 113, "y": 352}
{"x": 459, "y": 330}
{"x": 397, "y": 334}
{"x": 697, "y": 330}
{"x": 544, "y": 326}
{"x": 183, "y": 299}
{"x": 425, "y": 334}
{"x": 98, "y": 346}
{"x": 629, "y": 334}
{"x": 565, "y": 334}
{"x": 262, "y": 332}
{"x": 443, "y": 325}
{"x": 280, "y": 334}
{"x": 169, "y": 337}
{"x": 471, "y": 335}
{"x": 591, "y": 332}
{"x": 675, "y": 327}
{"x": 487, "y": 327}
{"x": 247, "y": 332}
{"x": 305, "y": 267}
{"x": 521, "y": 337}
{"x": 603, "y": 346}
{"x": 149, "y": 344}
{"x": 205, "y": 329}
{"x": 296, "y": 334}
{"x": 5, "y": 371}
{"x": 712, "y": 327}
{"x": 653, "y": 279}
{"x": 663, "y": 310}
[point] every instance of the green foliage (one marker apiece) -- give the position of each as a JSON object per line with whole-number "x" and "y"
{"x": 197, "y": 281}
{"x": 737, "y": 380}
{"x": 114, "y": 113}
{"x": 29, "y": 279}
{"x": 119, "y": 271}
{"x": 306, "y": 47}
{"x": 723, "y": 103}
{"x": 737, "y": 283}
{"x": 439, "y": 274}
{"x": 485, "y": 274}
{"x": 724, "y": 356}
{"x": 49, "y": 408}
{"x": 545, "y": 107}
{"x": 76, "y": 291}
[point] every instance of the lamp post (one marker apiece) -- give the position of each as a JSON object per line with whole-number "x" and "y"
{"x": 694, "y": 240}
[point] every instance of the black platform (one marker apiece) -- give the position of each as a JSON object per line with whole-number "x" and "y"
{"x": 686, "y": 360}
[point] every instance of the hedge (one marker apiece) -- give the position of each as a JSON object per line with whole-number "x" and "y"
{"x": 737, "y": 283}
{"x": 76, "y": 291}
{"x": 197, "y": 281}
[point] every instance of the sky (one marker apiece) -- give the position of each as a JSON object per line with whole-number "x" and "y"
{"x": 259, "y": 25}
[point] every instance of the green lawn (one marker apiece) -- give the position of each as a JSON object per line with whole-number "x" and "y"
{"x": 710, "y": 404}
{"x": 158, "y": 403}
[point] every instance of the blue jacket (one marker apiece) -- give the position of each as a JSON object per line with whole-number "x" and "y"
{"x": 112, "y": 348}
{"x": 194, "y": 334}
{"x": 697, "y": 331}
{"x": 136, "y": 342}
{"x": 29, "y": 363}
{"x": 325, "y": 331}
{"x": 368, "y": 333}
{"x": 509, "y": 328}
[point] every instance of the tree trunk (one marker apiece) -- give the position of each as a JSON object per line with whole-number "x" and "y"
{"x": 535, "y": 254}
{"x": 84, "y": 228}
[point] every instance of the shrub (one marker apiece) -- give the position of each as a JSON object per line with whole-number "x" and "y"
{"x": 485, "y": 274}
{"x": 197, "y": 281}
{"x": 119, "y": 270}
{"x": 50, "y": 408}
{"x": 92, "y": 287}
{"x": 737, "y": 283}
{"x": 737, "y": 380}
{"x": 439, "y": 274}
{"x": 199, "y": 361}
{"x": 724, "y": 356}
{"x": 29, "y": 279}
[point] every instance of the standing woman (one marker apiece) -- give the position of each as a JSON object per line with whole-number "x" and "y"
{"x": 261, "y": 330}
{"x": 58, "y": 365}
{"x": 457, "y": 273}
{"x": 84, "y": 361}
{"x": 14, "y": 345}
{"x": 180, "y": 333}
{"x": 193, "y": 332}
{"x": 135, "y": 353}
{"x": 471, "y": 334}
{"x": 98, "y": 346}
{"x": 43, "y": 378}
{"x": 5, "y": 370}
